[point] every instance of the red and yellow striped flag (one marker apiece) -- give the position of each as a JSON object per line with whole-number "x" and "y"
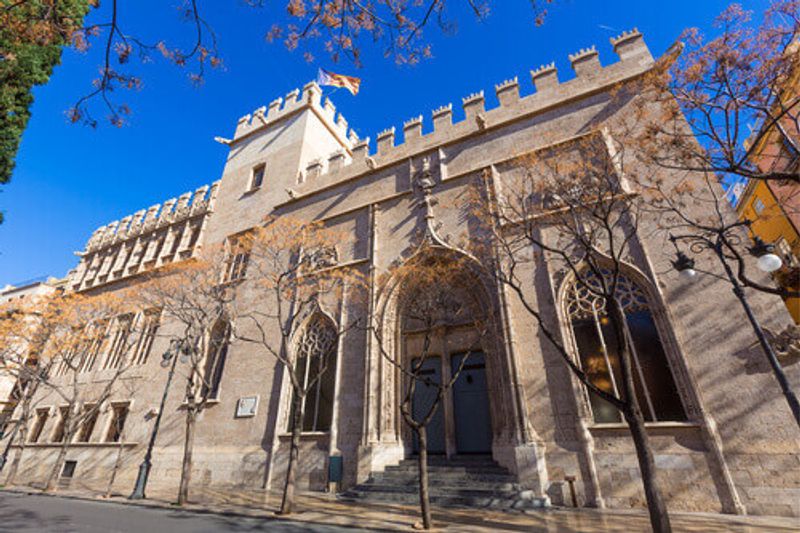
{"x": 350, "y": 83}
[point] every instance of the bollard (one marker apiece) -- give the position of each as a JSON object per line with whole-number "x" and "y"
{"x": 571, "y": 481}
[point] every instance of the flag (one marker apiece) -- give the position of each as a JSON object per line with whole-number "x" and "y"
{"x": 338, "y": 80}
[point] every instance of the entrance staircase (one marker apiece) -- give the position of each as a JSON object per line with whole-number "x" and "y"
{"x": 463, "y": 481}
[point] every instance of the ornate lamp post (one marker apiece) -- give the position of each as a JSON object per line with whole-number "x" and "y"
{"x": 722, "y": 241}
{"x": 169, "y": 359}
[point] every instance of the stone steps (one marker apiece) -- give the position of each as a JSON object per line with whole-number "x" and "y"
{"x": 467, "y": 481}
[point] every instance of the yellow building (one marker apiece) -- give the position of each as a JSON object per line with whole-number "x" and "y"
{"x": 772, "y": 224}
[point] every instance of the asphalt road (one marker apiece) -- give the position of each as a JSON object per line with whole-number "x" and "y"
{"x": 21, "y": 513}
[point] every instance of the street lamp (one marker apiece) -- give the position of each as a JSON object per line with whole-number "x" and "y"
{"x": 767, "y": 261}
{"x": 175, "y": 352}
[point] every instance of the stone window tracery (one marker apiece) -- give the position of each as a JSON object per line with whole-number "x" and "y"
{"x": 599, "y": 354}
{"x": 316, "y": 371}
{"x": 215, "y": 360}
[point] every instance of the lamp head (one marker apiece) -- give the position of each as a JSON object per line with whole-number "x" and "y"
{"x": 768, "y": 260}
{"x": 684, "y": 265}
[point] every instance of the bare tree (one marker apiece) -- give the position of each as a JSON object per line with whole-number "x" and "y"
{"x": 339, "y": 29}
{"x": 24, "y": 328}
{"x": 713, "y": 91}
{"x": 570, "y": 206}
{"x": 93, "y": 334}
{"x": 717, "y": 113}
{"x": 293, "y": 269}
{"x": 130, "y": 387}
{"x": 194, "y": 301}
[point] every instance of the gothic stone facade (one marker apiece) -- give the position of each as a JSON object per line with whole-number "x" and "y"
{"x": 735, "y": 450}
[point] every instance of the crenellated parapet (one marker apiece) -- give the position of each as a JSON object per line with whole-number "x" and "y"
{"x": 310, "y": 97}
{"x": 547, "y": 91}
{"x": 147, "y": 239}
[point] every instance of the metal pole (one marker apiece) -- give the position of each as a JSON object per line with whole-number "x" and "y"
{"x": 144, "y": 468}
{"x": 790, "y": 396}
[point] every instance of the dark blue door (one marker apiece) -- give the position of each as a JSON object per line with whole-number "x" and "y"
{"x": 424, "y": 398}
{"x": 471, "y": 405}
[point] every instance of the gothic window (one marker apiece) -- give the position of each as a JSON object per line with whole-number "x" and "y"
{"x": 215, "y": 361}
{"x": 119, "y": 344}
{"x": 315, "y": 368}
{"x": 238, "y": 258}
{"x": 38, "y": 424}
{"x": 150, "y": 323}
{"x": 119, "y": 414}
{"x": 599, "y": 354}
{"x": 97, "y": 335}
{"x": 90, "y": 413}
{"x": 60, "y": 431}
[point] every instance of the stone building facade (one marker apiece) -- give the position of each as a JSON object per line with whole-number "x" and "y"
{"x": 730, "y": 445}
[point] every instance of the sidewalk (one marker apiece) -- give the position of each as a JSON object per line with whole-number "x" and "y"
{"x": 316, "y": 508}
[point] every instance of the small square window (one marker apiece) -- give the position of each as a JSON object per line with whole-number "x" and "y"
{"x": 69, "y": 469}
{"x": 258, "y": 177}
{"x": 758, "y": 206}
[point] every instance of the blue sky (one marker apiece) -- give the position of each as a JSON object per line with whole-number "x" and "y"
{"x": 70, "y": 179}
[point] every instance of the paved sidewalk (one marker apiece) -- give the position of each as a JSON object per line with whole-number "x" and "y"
{"x": 316, "y": 509}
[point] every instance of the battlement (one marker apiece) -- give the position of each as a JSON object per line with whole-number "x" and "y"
{"x": 160, "y": 234}
{"x": 309, "y": 97}
{"x": 548, "y": 91}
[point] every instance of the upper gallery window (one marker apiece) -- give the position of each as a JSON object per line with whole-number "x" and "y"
{"x": 599, "y": 353}
{"x": 257, "y": 177}
{"x": 151, "y": 320}
{"x": 238, "y": 257}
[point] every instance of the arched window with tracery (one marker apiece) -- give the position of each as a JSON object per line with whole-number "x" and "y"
{"x": 316, "y": 371}
{"x": 599, "y": 354}
{"x": 215, "y": 361}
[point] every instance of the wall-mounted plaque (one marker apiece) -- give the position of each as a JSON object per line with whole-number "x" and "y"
{"x": 246, "y": 406}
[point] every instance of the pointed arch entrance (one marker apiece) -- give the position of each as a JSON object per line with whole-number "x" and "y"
{"x": 445, "y": 333}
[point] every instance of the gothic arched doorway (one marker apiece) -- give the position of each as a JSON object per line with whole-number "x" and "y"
{"x": 445, "y": 326}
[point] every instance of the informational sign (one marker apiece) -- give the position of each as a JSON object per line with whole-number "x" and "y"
{"x": 246, "y": 406}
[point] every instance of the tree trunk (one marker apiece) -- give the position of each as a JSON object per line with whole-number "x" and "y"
{"x": 20, "y": 429}
{"x": 117, "y": 464}
{"x": 7, "y": 449}
{"x": 294, "y": 451}
{"x": 13, "y": 468}
{"x": 188, "y": 446}
{"x": 52, "y": 480}
{"x": 422, "y": 459}
{"x": 656, "y": 506}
